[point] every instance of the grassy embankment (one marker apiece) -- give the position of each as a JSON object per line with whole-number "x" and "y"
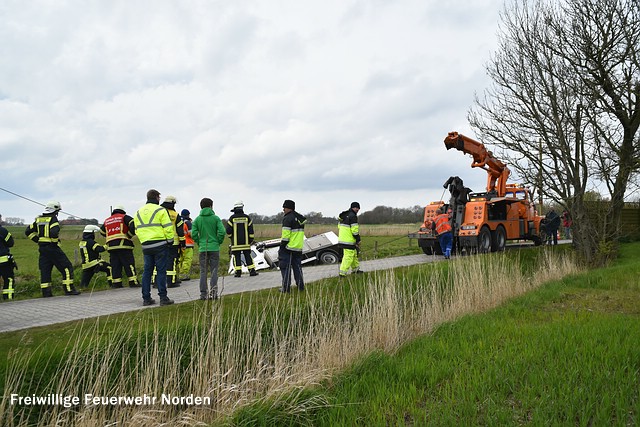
{"x": 566, "y": 354}
{"x": 379, "y": 242}
{"x": 283, "y": 351}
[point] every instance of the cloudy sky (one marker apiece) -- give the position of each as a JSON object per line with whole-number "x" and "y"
{"x": 322, "y": 102}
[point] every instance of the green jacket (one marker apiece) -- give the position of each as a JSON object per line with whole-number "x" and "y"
{"x": 207, "y": 231}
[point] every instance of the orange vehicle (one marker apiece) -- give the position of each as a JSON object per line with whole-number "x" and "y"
{"x": 482, "y": 222}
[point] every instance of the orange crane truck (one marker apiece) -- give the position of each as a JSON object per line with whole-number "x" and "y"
{"x": 482, "y": 222}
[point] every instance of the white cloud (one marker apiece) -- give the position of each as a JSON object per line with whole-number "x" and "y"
{"x": 323, "y": 102}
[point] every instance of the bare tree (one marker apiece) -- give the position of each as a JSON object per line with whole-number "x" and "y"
{"x": 564, "y": 106}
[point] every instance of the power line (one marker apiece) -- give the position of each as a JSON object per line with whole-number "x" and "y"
{"x": 34, "y": 201}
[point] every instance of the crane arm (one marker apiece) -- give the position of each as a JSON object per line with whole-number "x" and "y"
{"x": 497, "y": 171}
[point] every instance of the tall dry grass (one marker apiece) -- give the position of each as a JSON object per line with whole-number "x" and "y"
{"x": 265, "y": 351}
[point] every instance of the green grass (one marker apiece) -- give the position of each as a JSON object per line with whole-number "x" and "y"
{"x": 565, "y": 354}
{"x": 250, "y": 347}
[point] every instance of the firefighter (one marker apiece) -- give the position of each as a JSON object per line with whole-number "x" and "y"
{"x": 119, "y": 230}
{"x": 349, "y": 239}
{"x": 90, "y": 254}
{"x": 155, "y": 231}
{"x": 186, "y": 256}
{"x": 179, "y": 243}
{"x": 7, "y": 263}
{"x": 240, "y": 230}
{"x": 442, "y": 225}
{"x": 45, "y": 231}
{"x": 291, "y": 245}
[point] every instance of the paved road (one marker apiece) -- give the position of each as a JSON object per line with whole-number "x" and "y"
{"x": 17, "y": 315}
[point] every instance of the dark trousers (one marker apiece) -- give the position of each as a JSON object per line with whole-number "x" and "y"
{"x": 172, "y": 265}
{"x": 237, "y": 256}
{"x": 87, "y": 273}
{"x": 8, "y": 279}
{"x": 123, "y": 259}
{"x": 289, "y": 261}
{"x": 155, "y": 258}
{"x": 52, "y": 256}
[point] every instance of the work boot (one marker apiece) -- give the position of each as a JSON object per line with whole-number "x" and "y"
{"x": 166, "y": 301}
{"x": 71, "y": 291}
{"x": 46, "y": 293}
{"x": 253, "y": 273}
{"x": 238, "y": 274}
{"x": 116, "y": 285}
{"x": 173, "y": 285}
{"x": 149, "y": 301}
{"x": 134, "y": 285}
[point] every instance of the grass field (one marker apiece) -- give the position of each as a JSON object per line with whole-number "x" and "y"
{"x": 266, "y": 359}
{"x": 378, "y": 242}
{"x": 566, "y": 354}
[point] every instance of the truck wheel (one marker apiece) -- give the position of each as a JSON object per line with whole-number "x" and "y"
{"x": 432, "y": 250}
{"x": 484, "y": 240}
{"x": 499, "y": 240}
{"x": 328, "y": 257}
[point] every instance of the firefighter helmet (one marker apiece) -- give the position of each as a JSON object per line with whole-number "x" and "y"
{"x": 91, "y": 228}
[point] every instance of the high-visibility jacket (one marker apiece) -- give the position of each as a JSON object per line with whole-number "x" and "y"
{"x": 292, "y": 237}
{"x": 348, "y": 229}
{"x": 153, "y": 226}
{"x": 188, "y": 239}
{"x": 178, "y": 224}
{"x": 89, "y": 251}
{"x": 442, "y": 224}
{"x": 6, "y": 242}
{"x": 118, "y": 230}
{"x": 44, "y": 230}
{"x": 240, "y": 230}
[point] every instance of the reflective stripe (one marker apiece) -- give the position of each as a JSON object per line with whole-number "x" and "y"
{"x": 157, "y": 244}
{"x": 442, "y": 224}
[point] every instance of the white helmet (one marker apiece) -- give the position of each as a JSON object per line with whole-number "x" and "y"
{"x": 118, "y": 207}
{"x": 238, "y": 204}
{"x": 170, "y": 199}
{"x": 91, "y": 228}
{"x": 52, "y": 206}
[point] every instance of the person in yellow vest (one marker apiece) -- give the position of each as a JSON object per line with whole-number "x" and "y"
{"x": 173, "y": 281}
{"x": 119, "y": 230}
{"x": 7, "y": 263}
{"x": 90, "y": 251}
{"x": 155, "y": 231}
{"x": 349, "y": 239}
{"x": 45, "y": 231}
{"x": 291, "y": 245}
{"x": 442, "y": 225}
{"x": 186, "y": 255}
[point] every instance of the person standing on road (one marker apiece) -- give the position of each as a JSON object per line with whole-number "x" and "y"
{"x": 7, "y": 263}
{"x": 349, "y": 239}
{"x": 552, "y": 224}
{"x": 291, "y": 245}
{"x": 119, "y": 230}
{"x": 240, "y": 230}
{"x": 208, "y": 232}
{"x": 173, "y": 281}
{"x": 567, "y": 223}
{"x": 90, "y": 255}
{"x": 442, "y": 226}
{"x": 155, "y": 231}
{"x": 186, "y": 255}
{"x": 45, "y": 231}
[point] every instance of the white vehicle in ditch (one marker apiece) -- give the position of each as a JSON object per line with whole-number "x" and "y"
{"x": 321, "y": 248}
